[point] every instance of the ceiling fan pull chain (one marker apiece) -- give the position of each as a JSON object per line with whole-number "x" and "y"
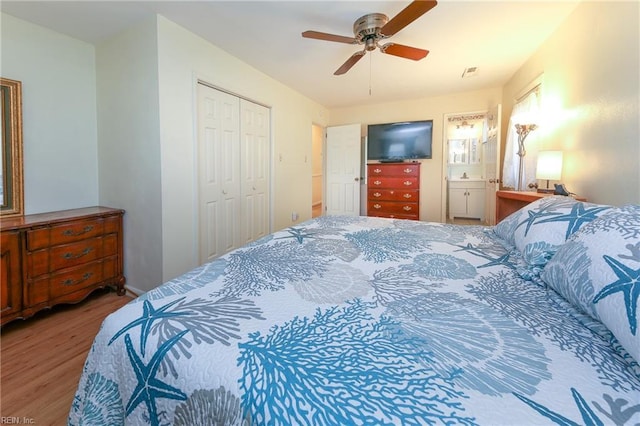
{"x": 370, "y": 74}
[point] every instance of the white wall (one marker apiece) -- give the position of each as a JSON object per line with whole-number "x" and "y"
{"x": 59, "y": 114}
{"x": 129, "y": 147}
{"x": 184, "y": 57}
{"x": 431, "y": 175}
{"x": 590, "y": 95}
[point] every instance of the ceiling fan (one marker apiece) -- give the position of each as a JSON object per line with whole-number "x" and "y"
{"x": 370, "y": 29}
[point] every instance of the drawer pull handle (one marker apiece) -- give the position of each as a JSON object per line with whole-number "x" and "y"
{"x": 377, "y": 194}
{"x": 407, "y": 195}
{"x": 85, "y": 277}
{"x": 408, "y": 170}
{"x": 376, "y": 182}
{"x": 72, "y": 233}
{"x": 406, "y": 208}
{"x": 84, "y": 252}
{"x": 408, "y": 183}
{"x": 377, "y": 171}
{"x": 377, "y": 206}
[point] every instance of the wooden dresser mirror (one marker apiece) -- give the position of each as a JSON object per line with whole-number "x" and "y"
{"x": 11, "y": 177}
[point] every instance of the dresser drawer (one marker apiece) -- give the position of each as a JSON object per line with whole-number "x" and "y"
{"x": 393, "y": 182}
{"x": 390, "y": 207}
{"x": 51, "y": 286}
{"x": 67, "y": 255}
{"x": 393, "y": 170}
{"x": 393, "y": 195}
{"x": 63, "y": 233}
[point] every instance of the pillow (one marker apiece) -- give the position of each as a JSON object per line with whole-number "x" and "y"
{"x": 598, "y": 271}
{"x": 540, "y": 228}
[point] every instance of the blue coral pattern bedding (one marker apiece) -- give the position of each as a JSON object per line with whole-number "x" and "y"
{"x": 354, "y": 321}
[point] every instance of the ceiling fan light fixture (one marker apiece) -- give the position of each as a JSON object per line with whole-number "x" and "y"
{"x": 370, "y": 29}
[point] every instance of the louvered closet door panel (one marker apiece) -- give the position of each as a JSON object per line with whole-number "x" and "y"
{"x": 255, "y": 134}
{"x": 218, "y": 172}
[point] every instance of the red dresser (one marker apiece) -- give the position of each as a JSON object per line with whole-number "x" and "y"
{"x": 394, "y": 190}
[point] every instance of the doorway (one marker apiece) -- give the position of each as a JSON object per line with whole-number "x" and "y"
{"x": 317, "y": 168}
{"x": 465, "y": 167}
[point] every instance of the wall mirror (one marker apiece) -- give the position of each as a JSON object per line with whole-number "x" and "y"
{"x": 11, "y": 182}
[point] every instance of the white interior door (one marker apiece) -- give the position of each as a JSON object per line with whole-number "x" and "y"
{"x": 343, "y": 170}
{"x": 218, "y": 172}
{"x": 255, "y": 133}
{"x": 492, "y": 163}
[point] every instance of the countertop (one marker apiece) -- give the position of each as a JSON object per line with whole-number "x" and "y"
{"x": 471, "y": 179}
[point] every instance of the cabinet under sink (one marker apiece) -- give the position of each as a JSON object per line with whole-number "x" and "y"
{"x": 466, "y": 199}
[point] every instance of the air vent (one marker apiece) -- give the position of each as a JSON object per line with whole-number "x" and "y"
{"x": 469, "y": 72}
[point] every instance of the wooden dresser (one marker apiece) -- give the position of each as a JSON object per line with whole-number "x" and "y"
{"x": 508, "y": 202}
{"x": 394, "y": 190}
{"x": 58, "y": 257}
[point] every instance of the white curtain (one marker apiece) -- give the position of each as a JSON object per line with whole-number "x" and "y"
{"x": 524, "y": 112}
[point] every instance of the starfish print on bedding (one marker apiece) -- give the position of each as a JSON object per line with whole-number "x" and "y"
{"x": 589, "y": 417}
{"x": 533, "y": 216}
{"x": 578, "y": 216}
{"x": 493, "y": 261}
{"x": 298, "y": 234}
{"x": 628, "y": 284}
{"x": 149, "y": 388}
{"x": 149, "y": 315}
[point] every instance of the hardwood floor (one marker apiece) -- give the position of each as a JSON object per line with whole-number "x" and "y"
{"x": 41, "y": 358}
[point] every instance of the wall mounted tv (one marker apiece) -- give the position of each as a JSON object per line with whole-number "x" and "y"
{"x": 397, "y": 142}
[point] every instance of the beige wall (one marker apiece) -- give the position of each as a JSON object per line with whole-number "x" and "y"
{"x": 58, "y": 78}
{"x": 183, "y": 58}
{"x": 129, "y": 147}
{"x": 432, "y": 183}
{"x": 589, "y": 98}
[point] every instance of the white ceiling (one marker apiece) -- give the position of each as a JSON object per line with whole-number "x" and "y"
{"x": 495, "y": 36}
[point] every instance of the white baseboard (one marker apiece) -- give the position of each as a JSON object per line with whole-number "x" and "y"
{"x": 135, "y": 292}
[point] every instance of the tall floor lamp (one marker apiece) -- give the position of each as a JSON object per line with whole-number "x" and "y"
{"x": 523, "y": 131}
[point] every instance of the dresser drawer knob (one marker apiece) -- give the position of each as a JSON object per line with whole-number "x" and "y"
{"x": 407, "y": 195}
{"x": 79, "y": 255}
{"x": 376, "y": 182}
{"x": 408, "y": 183}
{"x": 72, "y": 233}
{"x": 406, "y": 208}
{"x": 377, "y": 194}
{"x": 85, "y": 277}
{"x": 408, "y": 170}
{"x": 377, "y": 206}
{"x": 377, "y": 170}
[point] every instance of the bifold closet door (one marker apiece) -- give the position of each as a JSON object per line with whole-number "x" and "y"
{"x": 218, "y": 172}
{"x": 254, "y": 169}
{"x": 234, "y": 140}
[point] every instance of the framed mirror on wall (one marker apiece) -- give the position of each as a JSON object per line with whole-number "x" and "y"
{"x": 11, "y": 177}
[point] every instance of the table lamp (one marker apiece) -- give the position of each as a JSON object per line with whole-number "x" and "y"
{"x": 549, "y": 167}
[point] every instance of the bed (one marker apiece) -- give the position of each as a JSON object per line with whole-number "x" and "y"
{"x": 361, "y": 320}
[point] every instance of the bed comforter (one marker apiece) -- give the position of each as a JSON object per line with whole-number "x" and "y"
{"x": 356, "y": 320}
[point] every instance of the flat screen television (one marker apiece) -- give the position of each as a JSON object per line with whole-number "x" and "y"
{"x": 396, "y": 142}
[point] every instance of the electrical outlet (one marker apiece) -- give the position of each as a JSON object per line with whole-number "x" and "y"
{"x": 294, "y": 216}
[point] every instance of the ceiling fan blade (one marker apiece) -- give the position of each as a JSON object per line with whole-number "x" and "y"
{"x": 350, "y": 62}
{"x": 329, "y": 37}
{"x": 416, "y": 9}
{"x": 403, "y": 51}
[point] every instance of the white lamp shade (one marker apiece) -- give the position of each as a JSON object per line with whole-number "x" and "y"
{"x": 549, "y": 165}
